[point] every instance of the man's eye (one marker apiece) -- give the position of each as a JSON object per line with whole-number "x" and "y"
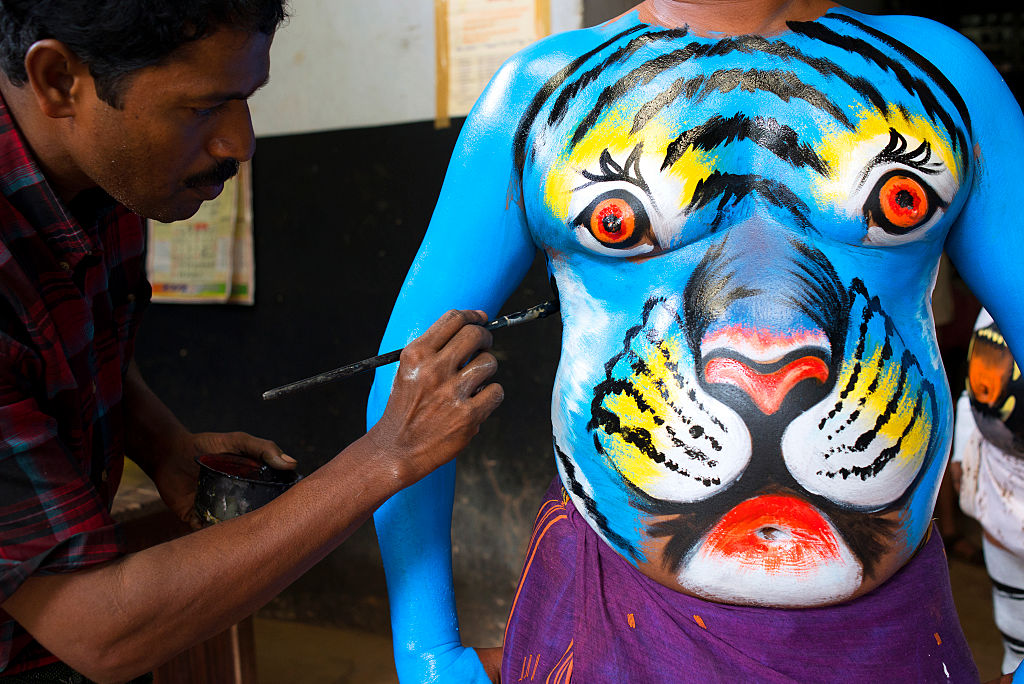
{"x": 206, "y": 111}
{"x": 616, "y": 219}
{"x": 901, "y": 202}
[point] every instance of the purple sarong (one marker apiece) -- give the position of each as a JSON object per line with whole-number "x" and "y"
{"x": 583, "y": 614}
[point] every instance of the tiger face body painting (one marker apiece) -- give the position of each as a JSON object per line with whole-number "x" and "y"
{"x": 750, "y": 405}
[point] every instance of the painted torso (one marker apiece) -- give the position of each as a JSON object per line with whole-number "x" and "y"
{"x": 744, "y": 233}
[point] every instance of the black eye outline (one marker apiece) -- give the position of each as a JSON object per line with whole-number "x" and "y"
{"x": 641, "y": 221}
{"x": 873, "y": 211}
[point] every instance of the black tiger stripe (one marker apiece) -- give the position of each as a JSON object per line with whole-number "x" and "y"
{"x": 920, "y": 62}
{"x": 747, "y": 45}
{"x": 891, "y": 452}
{"x": 882, "y": 359}
{"x": 691, "y": 451}
{"x": 519, "y": 145}
{"x": 638, "y": 75}
{"x": 641, "y": 438}
{"x": 778, "y": 138}
{"x": 866, "y": 438}
{"x": 912, "y": 84}
{"x": 573, "y": 89}
{"x": 591, "y": 505}
{"x": 785, "y": 85}
{"x": 825, "y": 299}
{"x": 873, "y": 305}
{"x": 730, "y": 187}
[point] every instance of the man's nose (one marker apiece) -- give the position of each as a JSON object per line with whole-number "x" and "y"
{"x": 234, "y": 137}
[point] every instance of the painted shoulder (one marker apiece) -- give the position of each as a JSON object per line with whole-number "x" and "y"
{"x": 952, "y": 54}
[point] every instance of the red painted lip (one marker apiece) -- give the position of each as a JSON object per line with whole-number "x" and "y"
{"x": 778, "y": 533}
{"x": 768, "y": 390}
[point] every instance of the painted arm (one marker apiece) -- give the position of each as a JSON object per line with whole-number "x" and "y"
{"x": 987, "y": 241}
{"x": 476, "y": 251}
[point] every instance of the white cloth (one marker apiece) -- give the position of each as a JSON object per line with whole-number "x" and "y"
{"x": 1007, "y": 573}
{"x": 992, "y": 486}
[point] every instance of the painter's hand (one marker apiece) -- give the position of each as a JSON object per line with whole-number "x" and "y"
{"x": 439, "y": 400}
{"x": 177, "y": 478}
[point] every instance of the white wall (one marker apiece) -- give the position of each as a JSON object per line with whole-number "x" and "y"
{"x": 352, "y": 63}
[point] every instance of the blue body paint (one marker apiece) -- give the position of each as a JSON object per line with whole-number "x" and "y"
{"x": 750, "y": 404}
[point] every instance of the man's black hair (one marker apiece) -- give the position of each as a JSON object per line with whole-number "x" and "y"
{"x": 117, "y": 37}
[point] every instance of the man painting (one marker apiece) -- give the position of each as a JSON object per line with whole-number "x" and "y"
{"x": 113, "y": 111}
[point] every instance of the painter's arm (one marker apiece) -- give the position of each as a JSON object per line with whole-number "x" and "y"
{"x": 115, "y": 620}
{"x": 476, "y": 251}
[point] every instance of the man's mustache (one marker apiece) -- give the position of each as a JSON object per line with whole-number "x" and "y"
{"x": 215, "y": 176}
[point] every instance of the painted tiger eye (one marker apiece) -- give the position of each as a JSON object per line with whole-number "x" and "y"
{"x": 613, "y": 221}
{"x": 903, "y": 201}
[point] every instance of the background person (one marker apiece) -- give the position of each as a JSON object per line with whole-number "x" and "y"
{"x": 988, "y": 471}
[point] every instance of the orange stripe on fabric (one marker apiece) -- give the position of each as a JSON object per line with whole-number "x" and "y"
{"x": 553, "y": 506}
{"x": 699, "y": 621}
{"x": 563, "y": 668}
{"x": 938, "y": 639}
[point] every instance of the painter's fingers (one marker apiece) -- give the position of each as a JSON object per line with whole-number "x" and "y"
{"x": 469, "y": 380}
{"x": 246, "y": 445}
{"x": 464, "y": 346}
{"x": 446, "y": 327}
{"x": 487, "y": 399}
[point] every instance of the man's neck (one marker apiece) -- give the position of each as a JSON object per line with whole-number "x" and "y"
{"x": 732, "y": 17}
{"x": 41, "y": 135}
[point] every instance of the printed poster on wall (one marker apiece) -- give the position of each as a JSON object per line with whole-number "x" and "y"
{"x": 474, "y": 37}
{"x": 206, "y": 259}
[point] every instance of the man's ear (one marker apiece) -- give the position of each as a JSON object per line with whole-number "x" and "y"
{"x": 56, "y": 77}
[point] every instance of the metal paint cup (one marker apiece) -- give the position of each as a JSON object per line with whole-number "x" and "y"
{"x": 231, "y": 485}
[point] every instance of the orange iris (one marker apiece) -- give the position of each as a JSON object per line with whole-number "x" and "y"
{"x": 613, "y": 221}
{"x": 903, "y": 201}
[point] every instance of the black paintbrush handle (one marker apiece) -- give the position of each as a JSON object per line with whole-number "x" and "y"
{"x": 532, "y": 314}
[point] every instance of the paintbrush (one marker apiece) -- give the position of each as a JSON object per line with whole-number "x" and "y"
{"x": 532, "y": 314}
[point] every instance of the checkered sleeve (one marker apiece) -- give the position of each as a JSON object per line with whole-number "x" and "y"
{"x": 52, "y": 519}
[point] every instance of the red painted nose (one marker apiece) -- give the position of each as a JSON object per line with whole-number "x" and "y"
{"x": 768, "y": 390}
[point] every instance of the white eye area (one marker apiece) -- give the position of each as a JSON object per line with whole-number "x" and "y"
{"x": 903, "y": 191}
{"x": 612, "y": 218}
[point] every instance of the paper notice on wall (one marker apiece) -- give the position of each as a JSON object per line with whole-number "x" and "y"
{"x": 474, "y": 38}
{"x": 206, "y": 259}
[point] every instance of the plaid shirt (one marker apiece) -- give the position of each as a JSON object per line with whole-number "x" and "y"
{"x": 72, "y": 289}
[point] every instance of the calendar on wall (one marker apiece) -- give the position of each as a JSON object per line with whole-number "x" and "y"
{"x": 208, "y": 258}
